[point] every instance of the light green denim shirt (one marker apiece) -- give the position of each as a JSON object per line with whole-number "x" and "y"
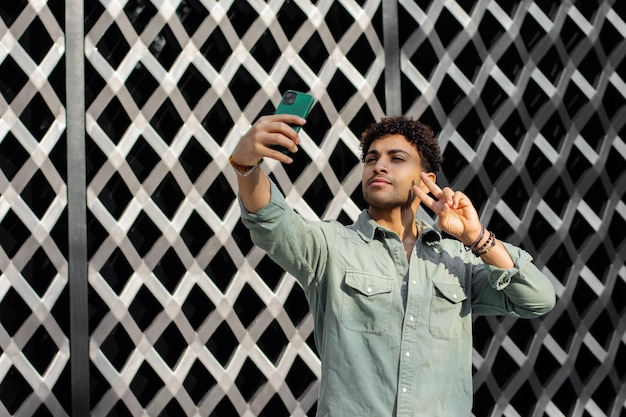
{"x": 394, "y": 336}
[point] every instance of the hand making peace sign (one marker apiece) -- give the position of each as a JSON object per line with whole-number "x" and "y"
{"x": 456, "y": 213}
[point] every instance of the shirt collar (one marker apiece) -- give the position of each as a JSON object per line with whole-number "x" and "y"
{"x": 367, "y": 227}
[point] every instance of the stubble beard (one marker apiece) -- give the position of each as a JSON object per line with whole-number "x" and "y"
{"x": 388, "y": 200}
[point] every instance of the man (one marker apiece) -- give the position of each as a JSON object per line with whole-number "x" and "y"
{"x": 392, "y": 300}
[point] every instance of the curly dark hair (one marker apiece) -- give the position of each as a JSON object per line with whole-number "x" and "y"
{"x": 417, "y": 133}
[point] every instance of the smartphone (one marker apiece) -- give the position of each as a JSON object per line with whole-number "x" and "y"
{"x": 294, "y": 102}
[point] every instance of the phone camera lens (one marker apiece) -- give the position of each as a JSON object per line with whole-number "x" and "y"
{"x": 290, "y": 97}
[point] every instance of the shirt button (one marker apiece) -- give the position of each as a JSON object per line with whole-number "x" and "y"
{"x": 411, "y": 318}
{"x": 454, "y": 296}
{"x": 408, "y": 354}
{"x": 414, "y": 282}
{"x": 369, "y": 289}
{"x": 404, "y": 389}
{"x": 404, "y": 283}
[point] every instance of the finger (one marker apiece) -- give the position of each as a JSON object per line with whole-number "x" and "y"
{"x": 279, "y": 156}
{"x": 280, "y": 123}
{"x": 287, "y": 119}
{"x": 424, "y": 198}
{"x": 456, "y": 199}
{"x": 272, "y": 133}
{"x": 447, "y": 195}
{"x": 432, "y": 186}
{"x": 274, "y": 153}
{"x": 286, "y": 130}
{"x": 288, "y": 142}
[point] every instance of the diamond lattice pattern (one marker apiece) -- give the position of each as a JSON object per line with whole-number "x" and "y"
{"x": 187, "y": 316}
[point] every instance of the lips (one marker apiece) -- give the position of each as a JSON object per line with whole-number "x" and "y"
{"x": 378, "y": 180}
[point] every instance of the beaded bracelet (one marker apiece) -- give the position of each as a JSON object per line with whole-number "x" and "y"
{"x": 493, "y": 243}
{"x": 473, "y": 246}
{"x": 489, "y": 240}
{"x": 486, "y": 247}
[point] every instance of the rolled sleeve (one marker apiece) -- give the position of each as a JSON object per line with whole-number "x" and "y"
{"x": 526, "y": 291}
{"x": 500, "y": 278}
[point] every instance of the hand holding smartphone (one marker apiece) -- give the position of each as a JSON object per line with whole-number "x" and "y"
{"x": 297, "y": 103}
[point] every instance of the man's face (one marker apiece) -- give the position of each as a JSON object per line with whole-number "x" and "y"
{"x": 391, "y": 167}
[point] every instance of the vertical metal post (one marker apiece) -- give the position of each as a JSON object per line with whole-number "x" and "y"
{"x": 393, "y": 96}
{"x": 77, "y": 215}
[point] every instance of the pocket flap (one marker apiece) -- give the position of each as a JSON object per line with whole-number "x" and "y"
{"x": 368, "y": 284}
{"x": 451, "y": 291}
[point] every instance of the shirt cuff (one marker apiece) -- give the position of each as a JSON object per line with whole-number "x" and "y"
{"x": 500, "y": 278}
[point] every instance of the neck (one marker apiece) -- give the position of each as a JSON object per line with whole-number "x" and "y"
{"x": 400, "y": 220}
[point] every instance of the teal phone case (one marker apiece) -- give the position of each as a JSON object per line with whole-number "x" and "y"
{"x": 294, "y": 102}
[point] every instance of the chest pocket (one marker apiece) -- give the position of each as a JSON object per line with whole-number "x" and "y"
{"x": 366, "y": 302}
{"x": 449, "y": 313}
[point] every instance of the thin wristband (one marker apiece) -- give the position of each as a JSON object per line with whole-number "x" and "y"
{"x": 491, "y": 240}
{"x": 493, "y": 243}
{"x": 473, "y": 246}
{"x": 243, "y": 170}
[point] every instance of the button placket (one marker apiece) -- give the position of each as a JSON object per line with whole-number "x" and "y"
{"x": 409, "y": 337}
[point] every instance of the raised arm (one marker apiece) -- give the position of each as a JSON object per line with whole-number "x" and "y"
{"x": 458, "y": 217}
{"x": 254, "y": 186}
{"x": 509, "y": 283}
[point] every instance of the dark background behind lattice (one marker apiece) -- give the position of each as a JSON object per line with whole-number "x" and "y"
{"x": 186, "y": 316}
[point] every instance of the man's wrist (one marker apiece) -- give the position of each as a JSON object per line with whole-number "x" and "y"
{"x": 475, "y": 242}
{"x": 483, "y": 244}
{"x": 243, "y": 170}
{"x": 486, "y": 246}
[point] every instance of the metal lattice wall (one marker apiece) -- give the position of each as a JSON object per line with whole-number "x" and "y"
{"x": 34, "y": 303}
{"x": 186, "y": 316}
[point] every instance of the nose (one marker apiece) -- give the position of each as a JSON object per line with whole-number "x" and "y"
{"x": 381, "y": 165}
